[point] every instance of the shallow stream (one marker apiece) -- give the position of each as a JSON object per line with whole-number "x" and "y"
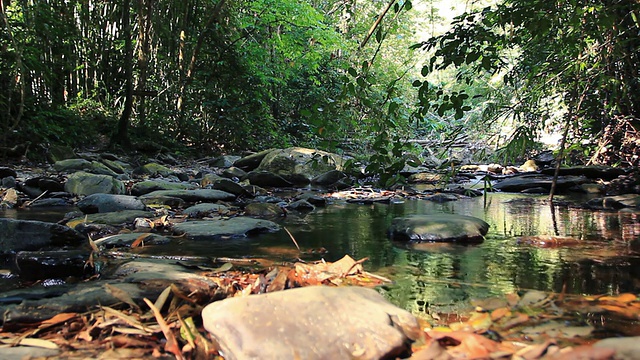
{"x": 441, "y": 275}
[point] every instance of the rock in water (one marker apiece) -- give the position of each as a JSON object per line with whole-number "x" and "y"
{"x": 316, "y": 322}
{"x": 18, "y": 235}
{"x": 438, "y": 227}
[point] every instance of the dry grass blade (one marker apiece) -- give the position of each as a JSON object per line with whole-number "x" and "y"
{"x": 172, "y": 344}
{"x": 131, "y": 321}
{"x": 40, "y": 343}
{"x": 122, "y": 296}
{"x": 162, "y": 299}
{"x": 292, "y": 238}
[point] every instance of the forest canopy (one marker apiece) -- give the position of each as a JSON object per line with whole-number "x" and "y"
{"x": 220, "y": 76}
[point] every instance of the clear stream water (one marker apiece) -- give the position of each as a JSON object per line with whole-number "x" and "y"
{"x": 441, "y": 275}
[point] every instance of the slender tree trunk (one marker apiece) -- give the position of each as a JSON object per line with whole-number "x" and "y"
{"x": 188, "y": 76}
{"x": 144, "y": 39}
{"x": 121, "y": 137}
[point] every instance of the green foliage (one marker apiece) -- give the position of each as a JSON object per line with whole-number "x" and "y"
{"x": 583, "y": 51}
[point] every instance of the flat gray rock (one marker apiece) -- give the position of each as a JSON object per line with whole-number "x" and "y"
{"x": 314, "y": 322}
{"x": 216, "y": 228}
{"x": 196, "y": 195}
{"x": 438, "y": 227}
{"x": 101, "y": 203}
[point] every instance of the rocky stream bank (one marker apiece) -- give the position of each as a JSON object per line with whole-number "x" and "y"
{"x": 88, "y": 260}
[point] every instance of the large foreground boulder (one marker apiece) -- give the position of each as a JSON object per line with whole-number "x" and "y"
{"x": 19, "y": 235}
{"x": 438, "y": 228}
{"x": 315, "y": 322}
{"x": 300, "y": 161}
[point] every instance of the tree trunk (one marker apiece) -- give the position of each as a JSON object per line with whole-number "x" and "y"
{"x": 121, "y": 136}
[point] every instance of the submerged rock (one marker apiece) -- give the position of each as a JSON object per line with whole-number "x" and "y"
{"x": 329, "y": 323}
{"x": 438, "y": 228}
{"x": 217, "y": 228}
{"x": 18, "y": 235}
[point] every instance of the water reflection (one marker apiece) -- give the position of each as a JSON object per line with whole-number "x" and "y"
{"x": 444, "y": 274}
{"x": 602, "y": 262}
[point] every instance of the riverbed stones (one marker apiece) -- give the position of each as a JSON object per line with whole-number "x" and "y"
{"x": 316, "y": 322}
{"x": 18, "y": 235}
{"x": 438, "y": 228}
{"x": 303, "y": 161}
{"x": 192, "y": 196}
{"x": 83, "y": 183}
{"x": 218, "y": 228}
{"x": 147, "y": 186}
{"x": 101, "y": 203}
